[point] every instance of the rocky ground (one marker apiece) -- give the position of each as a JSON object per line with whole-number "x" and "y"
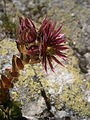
{"x": 69, "y": 87}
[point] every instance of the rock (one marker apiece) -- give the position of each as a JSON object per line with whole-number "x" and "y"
{"x": 2, "y": 36}
{"x": 79, "y": 1}
{"x": 35, "y": 107}
{"x": 1, "y": 8}
{"x": 75, "y": 18}
{"x": 60, "y": 114}
{"x": 46, "y": 115}
{"x": 88, "y": 48}
{"x": 1, "y": 23}
{"x": 67, "y": 118}
{"x": 83, "y": 64}
{"x": 87, "y": 93}
{"x": 87, "y": 56}
{"x": 27, "y": 118}
{"x": 73, "y": 14}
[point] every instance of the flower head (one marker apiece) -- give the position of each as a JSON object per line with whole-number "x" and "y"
{"x": 27, "y": 37}
{"x": 51, "y": 44}
{"x": 43, "y": 45}
{"x": 27, "y": 31}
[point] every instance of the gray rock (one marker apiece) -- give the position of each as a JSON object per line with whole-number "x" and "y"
{"x": 1, "y": 8}
{"x": 1, "y": 23}
{"x": 87, "y": 56}
{"x": 60, "y": 114}
{"x": 83, "y": 64}
{"x": 87, "y": 93}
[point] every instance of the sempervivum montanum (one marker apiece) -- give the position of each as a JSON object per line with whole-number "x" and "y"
{"x": 42, "y": 45}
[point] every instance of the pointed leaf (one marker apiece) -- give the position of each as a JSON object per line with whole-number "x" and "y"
{"x": 20, "y": 19}
{"x": 19, "y": 63}
{"x": 14, "y": 67}
{"x": 61, "y": 55}
{"x": 56, "y": 33}
{"x": 6, "y": 82}
{"x": 49, "y": 61}
{"x": 60, "y": 47}
{"x": 56, "y": 60}
{"x": 14, "y": 74}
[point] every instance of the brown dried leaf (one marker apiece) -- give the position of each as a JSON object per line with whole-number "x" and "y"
{"x": 19, "y": 63}
{"x": 6, "y": 82}
{"x": 14, "y": 67}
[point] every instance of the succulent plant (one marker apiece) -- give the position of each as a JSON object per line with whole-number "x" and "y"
{"x": 34, "y": 46}
{"x": 42, "y": 45}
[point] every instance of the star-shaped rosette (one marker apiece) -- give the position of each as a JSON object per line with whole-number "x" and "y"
{"x": 51, "y": 44}
{"x": 27, "y": 31}
{"x": 43, "y": 45}
{"x": 27, "y": 38}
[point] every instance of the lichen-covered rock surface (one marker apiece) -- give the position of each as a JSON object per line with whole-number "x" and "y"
{"x": 69, "y": 87}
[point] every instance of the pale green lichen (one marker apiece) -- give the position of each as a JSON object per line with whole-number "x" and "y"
{"x": 8, "y": 44}
{"x": 73, "y": 95}
{"x": 29, "y": 81}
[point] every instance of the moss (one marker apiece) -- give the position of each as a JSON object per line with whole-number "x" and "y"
{"x": 2, "y": 114}
{"x": 10, "y": 110}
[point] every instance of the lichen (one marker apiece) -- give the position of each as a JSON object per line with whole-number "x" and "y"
{"x": 8, "y": 47}
{"x": 73, "y": 95}
{"x": 27, "y": 88}
{"x": 28, "y": 85}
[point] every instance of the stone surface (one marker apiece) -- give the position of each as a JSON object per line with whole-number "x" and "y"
{"x": 69, "y": 87}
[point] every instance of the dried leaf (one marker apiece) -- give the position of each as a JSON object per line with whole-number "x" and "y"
{"x": 19, "y": 63}
{"x": 14, "y": 67}
{"x": 6, "y": 82}
{"x": 14, "y": 74}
